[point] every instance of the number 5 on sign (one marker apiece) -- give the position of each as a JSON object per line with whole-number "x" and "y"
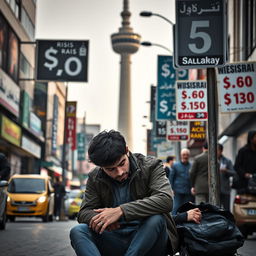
{"x": 200, "y": 33}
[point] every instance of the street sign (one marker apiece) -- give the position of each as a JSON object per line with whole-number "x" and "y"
{"x": 237, "y": 87}
{"x": 200, "y": 33}
{"x": 80, "y": 146}
{"x": 161, "y": 129}
{"x": 177, "y": 130}
{"x": 192, "y": 98}
{"x": 165, "y": 105}
{"x": 62, "y": 60}
{"x": 197, "y": 130}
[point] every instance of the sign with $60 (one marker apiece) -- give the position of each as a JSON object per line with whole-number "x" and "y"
{"x": 237, "y": 87}
{"x": 62, "y": 60}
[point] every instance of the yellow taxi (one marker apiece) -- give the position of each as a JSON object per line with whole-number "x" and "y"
{"x": 30, "y": 195}
{"x": 73, "y": 202}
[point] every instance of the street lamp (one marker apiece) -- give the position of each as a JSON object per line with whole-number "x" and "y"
{"x": 149, "y": 14}
{"x": 148, "y": 44}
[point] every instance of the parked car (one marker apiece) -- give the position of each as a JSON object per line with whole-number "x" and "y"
{"x": 73, "y": 202}
{"x": 244, "y": 211}
{"x": 3, "y": 199}
{"x": 30, "y": 195}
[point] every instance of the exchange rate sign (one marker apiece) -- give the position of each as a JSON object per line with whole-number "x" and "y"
{"x": 62, "y": 60}
{"x": 237, "y": 87}
{"x": 192, "y": 98}
{"x": 200, "y": 33}
{"x": 166, "y": 77}
{"x": 177, "y": 130}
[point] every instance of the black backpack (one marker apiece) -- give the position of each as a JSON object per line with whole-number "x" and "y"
{"x": 216, "y": 235}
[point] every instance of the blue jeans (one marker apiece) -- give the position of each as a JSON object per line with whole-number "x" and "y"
{"x": 149, "y": 238}
{"x": 180, "y": 199}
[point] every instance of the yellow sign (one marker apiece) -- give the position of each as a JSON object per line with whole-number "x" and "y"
{"x": 10, "y": 131}
{"x": 198, "y": 130}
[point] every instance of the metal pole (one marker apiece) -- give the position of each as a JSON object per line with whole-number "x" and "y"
{"x": 213, "y": 174}
{"x": 64, "y": 141}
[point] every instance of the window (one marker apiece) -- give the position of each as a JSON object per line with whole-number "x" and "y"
{"x": 25, "y": 67}
{"x": 27, "y": 24}
{"x": 15, "y": 5}
{"x": 9, "y": 50}
{"x": 250, "y": 27}
{"x": 13, "y": 56}
{"x": 3, "y": 42}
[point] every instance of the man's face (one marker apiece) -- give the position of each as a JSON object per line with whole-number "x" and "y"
{"x": 120, "y": 170}
{"x": 184, "y": 157}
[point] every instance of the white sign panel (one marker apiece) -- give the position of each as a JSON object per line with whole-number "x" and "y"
{"x": 237, "y": 87}
{"x": 30, "y": 146}
{"x": 191, "y": 97}
{"x": 9, "y": 93}
{"x": 177, "y": 130}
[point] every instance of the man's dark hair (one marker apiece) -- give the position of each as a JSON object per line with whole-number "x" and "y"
{"x": 107, "y": 148}
{"x": 169, "y": 158}
{"x": 220, "y": 146}
{"x": 205, "y": 145}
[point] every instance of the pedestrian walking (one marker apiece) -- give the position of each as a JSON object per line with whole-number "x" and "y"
{"x": 168, "y": 165}
{"x": 125, "y": 210}
{"x": 59, "y": 193}
{"x": 199, "y": 176}
{"x": 245, "y": 163}
{"x": 4, "y": 168}
{"x": 226, "y": 170}
{"x": 180, "y": 180}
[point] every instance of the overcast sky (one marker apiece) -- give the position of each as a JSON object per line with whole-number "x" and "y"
{"x": 96, "y": 20}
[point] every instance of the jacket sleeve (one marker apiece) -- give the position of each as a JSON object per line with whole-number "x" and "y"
{"x": 230, "y": 168}
{"x": 193, "y": 173}
{"x": 159, "y": 201}
{"x": 172, "y": 176}
{"x": 239, "y": 164}
{"x": 90, "y": 201}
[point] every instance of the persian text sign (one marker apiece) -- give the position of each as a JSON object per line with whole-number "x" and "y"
{"x": 177, "y": 130}
{"x": 192, "y": 98}
{"x": 237, "y": 87}
{"x": 165, "y": 104}
{"x": 71, "y": 124}
{"x": 200, "y": 33}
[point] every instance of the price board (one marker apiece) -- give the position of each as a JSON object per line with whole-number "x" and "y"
{"x": 192, "y": 100}
{"x": 177, "y": 130}
{"x": 237, "y": 87}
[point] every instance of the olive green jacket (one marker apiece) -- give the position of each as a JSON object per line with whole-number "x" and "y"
{"x": 150, "y": 191}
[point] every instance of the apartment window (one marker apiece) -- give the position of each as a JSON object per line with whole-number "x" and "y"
{"x": 3, "y": 42}
{"x": 15, "y": 5}
{"x": 25, "y": 67}
{"x": 250, "y": 27}
{"x": 9, "y": 50}
{"x": 27, "y": 24}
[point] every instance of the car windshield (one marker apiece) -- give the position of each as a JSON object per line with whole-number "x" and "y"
{"x": 26, "y": 185}
{"x": 74, "y": 193}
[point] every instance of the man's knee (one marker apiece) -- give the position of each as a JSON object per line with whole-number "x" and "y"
{"x": 156, "y": 221}
{"x": 78, "y": 231}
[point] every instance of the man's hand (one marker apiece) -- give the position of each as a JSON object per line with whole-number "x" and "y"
{"x": 193, "y": 191}
{"x": 106, "y": 219}
{"x": 194, "y": 215}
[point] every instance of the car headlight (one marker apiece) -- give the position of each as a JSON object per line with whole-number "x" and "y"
{"x": 41, "y": 199}
{"x": 8, "y": 199}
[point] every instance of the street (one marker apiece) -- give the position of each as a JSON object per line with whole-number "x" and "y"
{"x": 29, "y": 237}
